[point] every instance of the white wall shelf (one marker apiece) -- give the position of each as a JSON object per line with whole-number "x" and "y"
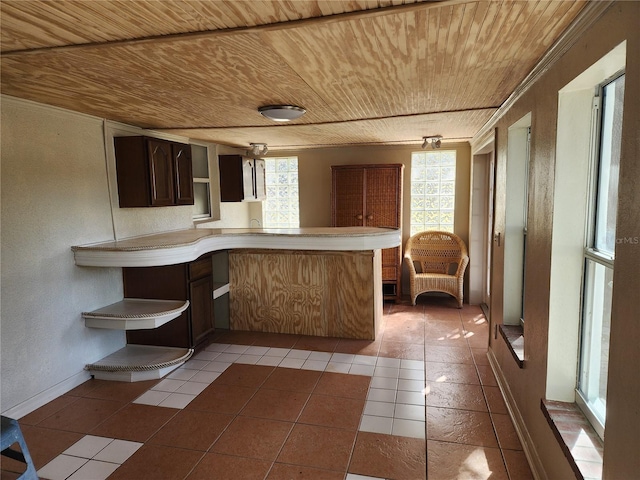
{"x": 135, "y": 314}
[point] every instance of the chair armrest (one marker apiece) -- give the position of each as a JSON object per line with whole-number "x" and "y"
{"x": 462, "y": 266}
{"x": 409, "y": 262}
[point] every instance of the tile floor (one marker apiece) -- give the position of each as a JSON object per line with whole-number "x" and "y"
{"x": 419, "y": 402}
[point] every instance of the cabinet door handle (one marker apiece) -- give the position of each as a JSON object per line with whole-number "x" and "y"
{"x": 369, "y": 217}
{"x": 359, "y": 216}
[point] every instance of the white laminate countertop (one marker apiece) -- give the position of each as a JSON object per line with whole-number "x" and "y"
{"x": 182, "y": 246}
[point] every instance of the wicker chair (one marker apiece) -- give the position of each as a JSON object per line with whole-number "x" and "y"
{"x": 442, "y": 260}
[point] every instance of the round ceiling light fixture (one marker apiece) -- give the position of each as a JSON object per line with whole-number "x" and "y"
{"x": 282, "y": 113}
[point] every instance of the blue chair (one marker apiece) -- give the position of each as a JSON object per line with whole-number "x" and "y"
{"x": 11, "y": 434}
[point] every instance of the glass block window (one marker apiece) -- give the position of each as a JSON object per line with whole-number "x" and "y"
{"x": 433, "y": 187}
{"x": 280, "y": 209}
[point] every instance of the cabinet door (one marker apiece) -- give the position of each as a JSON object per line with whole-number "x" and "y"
{"x": 382, "y": 197}
{"x": 347, "y": 199}
{"x": 248, "y": 180}
{"x": 201, "y": 299}
{"x": 183, "y": 169}
{"x": 260, "y": 171}
{"x": 161, "y": 172}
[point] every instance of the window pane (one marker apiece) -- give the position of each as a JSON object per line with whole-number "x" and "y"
{"x": 594, "y": 349}
{"x": 199, "y": 161}
{"x": 280, "y": 209}
{"x": 432, "y": 190}
{"x": 607, "y": 199}
{"x": 201, "y": 197}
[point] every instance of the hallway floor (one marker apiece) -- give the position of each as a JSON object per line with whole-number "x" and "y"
{"x": 419, "y": 402}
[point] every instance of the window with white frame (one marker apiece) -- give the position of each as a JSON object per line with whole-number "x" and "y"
{"x": 433, "y": 188}
{"x": 201, "y": 182}
{"x": 281, "y": 208}
{"x": 599, "y": 252}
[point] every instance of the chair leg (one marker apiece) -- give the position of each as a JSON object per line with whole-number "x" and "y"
{"x": 12, "y": 433}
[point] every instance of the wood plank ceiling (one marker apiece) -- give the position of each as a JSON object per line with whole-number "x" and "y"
{"x": 367, "y": 71}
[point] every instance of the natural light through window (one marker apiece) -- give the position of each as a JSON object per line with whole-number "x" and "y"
{"x": 280, "y": 209}
{"x": 433, "y": 186}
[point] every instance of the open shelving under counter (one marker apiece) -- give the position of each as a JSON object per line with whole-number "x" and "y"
{"x": 135, "y": 314}
{"x": 136, "y": 363}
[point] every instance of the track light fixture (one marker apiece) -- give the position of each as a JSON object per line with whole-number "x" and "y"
{"x": 435, "y": 141}
{"x": 257, "y": 149}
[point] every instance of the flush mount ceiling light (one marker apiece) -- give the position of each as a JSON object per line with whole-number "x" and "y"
{"x": 281, "y": 113}
{"x": 258, "y": 149}
{"x": 435, "y": 141}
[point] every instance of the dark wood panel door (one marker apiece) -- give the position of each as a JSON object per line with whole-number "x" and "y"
{"x": 348, "y": 197}
{"x": 201, "y": 299}
{"x": 183, "y": 169}
{"x": 161, "y": 173}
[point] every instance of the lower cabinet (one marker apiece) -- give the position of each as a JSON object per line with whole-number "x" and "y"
{"x": 191, "y": 281}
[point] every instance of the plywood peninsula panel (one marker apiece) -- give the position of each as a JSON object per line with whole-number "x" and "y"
{"x": 323, "y": 293}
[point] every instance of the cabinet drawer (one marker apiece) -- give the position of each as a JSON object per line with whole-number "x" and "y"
{"x": 389, "y": 273}
{"x": 200, "y": 268}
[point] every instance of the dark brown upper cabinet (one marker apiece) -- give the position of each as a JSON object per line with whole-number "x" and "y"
{"x": 153, "y": 172}
{"x": 242, "y": 179}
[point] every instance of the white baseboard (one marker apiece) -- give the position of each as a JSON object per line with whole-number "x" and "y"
{"x": 537, "y": 469}
{"x": 46, "y": 396}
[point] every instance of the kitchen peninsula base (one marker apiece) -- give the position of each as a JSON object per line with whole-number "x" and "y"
{"x": 321, "y": 293}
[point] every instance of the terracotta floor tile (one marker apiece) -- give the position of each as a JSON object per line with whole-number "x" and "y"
{"x": 220, "y": 398}
{"x": 408, "y": 351}
{"x": 480, "y": 356}
{"x": 319, "y": 447}
{"x": 495, "y": 400}
{"x": 404, "y": 331}
{"x": 136, "y": 423}
{"x": 506, "y": 432}
{"x": 390, "y": 457}
{"x": 317, "y": 344}
{"x": 455, "y": 395}
{"x": 444, "y": 333}
{"x": 45, "y": 444}
{"x": 226, "y": 467}
{"x": 340, "y": 385}
{"x": 460, "y": 426}
{"x": 358, "y": 347}
{"x": 47, "y": 410}
{"x": 478, "y": 337}
{"x": 451, "y": 373}
{"x": 447, "y": 354}
{"x": 83, "y": 415}
{"x": 294, "y": 380}
{"x": 154, "y": 462}
{"x": 329, "y": 411}
{"x": 280, "y": 471}
{"x": 120, "y": 391}
{"x": 486, "y": 376}
{"x": 277, "y": 340}
{"x": 85, "y": 387}
{"x": 253, "y": 437}
{"x": 237, "y": 337}
{"x": 276, "y": 405}
{"x": 517, "y": 465}
{"x": 193, "y": 430}
{"x": 245, "y": 375}
{"x": 454, "y": 461}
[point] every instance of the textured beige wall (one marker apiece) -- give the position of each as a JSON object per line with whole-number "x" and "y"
{"x": 314, "y": 167}
{"x": 527, "y": 386}
{"x": 54, "y": 195}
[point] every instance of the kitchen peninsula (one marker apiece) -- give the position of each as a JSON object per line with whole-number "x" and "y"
{"x": 311, "y": 281}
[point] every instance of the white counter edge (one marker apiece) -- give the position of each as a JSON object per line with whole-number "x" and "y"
{"x": 171, "y": 255}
